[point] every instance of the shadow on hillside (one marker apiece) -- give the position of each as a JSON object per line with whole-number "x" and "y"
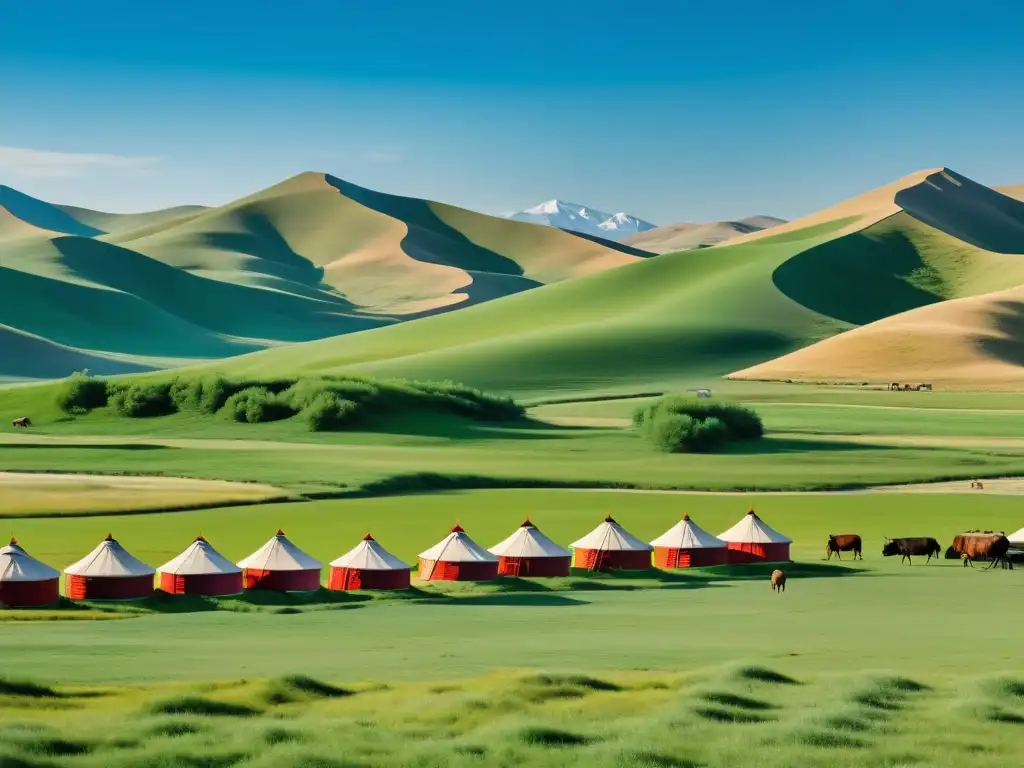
{"x": 521, "y": 599}
{"x": 858, "y": 278}
{"x": 1008, "y": 317}
{"x": 774, "y": 445}
{"x": 504, "y": 591}
{"x": 87, "y": 447}
{"x": 270, "y": 252}
{"x": 429, "y": 239}
{"x": 460, "y": 428}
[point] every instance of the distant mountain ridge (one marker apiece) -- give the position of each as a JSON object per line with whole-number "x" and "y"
{"x": 686, "y": 237}
{"x": 581, "y": 218}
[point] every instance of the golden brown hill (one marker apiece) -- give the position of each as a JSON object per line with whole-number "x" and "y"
{"x": 971, "y": 343}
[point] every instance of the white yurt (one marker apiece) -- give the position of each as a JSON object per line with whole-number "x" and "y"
{"x": 280, "y": 566}
{"x": 24, "y": 581}
{"x": 200, "y": 570}
{"x": 528, "y": 552}
{"x": 687, "y": 545}
{"x": 457, "y": 558}
{"x": 752, "y": 540}
{"x": 109, "y": 572}
{"x": 368, "y": 566}
{"x": 611, "y": 547}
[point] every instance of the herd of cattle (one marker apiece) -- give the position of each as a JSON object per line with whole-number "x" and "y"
{"x": 973, "y": 545}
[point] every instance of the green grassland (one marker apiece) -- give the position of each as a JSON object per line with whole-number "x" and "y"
{"x": 894, "y": 665}
{"x": 856, "y": 664}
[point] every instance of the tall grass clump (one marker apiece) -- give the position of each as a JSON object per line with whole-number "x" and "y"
{"x": 679, "y": 424}
{"x": 143, "y": 400}
{"x": 256, "y": 405}
{"x": 328, "y": 412}
{"x": 81, "y": 393}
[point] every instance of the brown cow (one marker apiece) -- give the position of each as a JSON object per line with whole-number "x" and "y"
{"x": 778, "y": 581}
{"x": 982, "y": 545}
{"x": 24, "y": 421}
{"x": 843, "y": 542}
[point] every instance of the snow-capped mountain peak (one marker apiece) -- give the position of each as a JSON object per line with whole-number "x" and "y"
{"x": 580, "y": 218}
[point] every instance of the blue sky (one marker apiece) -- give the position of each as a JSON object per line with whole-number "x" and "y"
{"x": 669, "y": 110}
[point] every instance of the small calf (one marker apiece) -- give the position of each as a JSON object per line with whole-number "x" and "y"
{"x": 778, "y": 581}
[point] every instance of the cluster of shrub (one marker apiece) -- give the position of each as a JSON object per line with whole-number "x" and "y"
{"x": 681, "y": 424}
{"x": 324, "y": 403}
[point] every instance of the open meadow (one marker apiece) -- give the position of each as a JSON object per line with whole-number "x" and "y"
{"x": 866, "y": 662}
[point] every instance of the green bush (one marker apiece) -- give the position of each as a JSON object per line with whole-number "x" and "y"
{"x": 325, "y": 402}
{"x": 143, "y": 400}
{"x": 707, "y": 436}
{"x": 679, "y": 423}
{"x": 256, "y": 405}
{"x": 669, "y": 432}
{"x": 81, "y": 393}
{"x": 328, "y": 413}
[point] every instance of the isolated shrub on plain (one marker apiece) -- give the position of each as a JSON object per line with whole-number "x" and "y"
{"x": 711, "y": 425}
{"x": 143, "y": 400}
{"x": 81, "y": 393}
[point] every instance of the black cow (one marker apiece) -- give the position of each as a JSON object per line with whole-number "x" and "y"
{"x": 918, "y": 547}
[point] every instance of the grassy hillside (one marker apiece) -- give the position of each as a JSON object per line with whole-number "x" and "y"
{"x": 682, "y": 319}
{"x": 312, "y": 257}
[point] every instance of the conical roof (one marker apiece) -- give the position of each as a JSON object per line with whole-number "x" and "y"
{"x": 280, "y": 554}
{"x": 609, "y": 536}
{"x": 686, "y": 534}
{"x": 18, "y": 565}
{"x": 1017, "y": 538}
{"x": 528, "y": 541}
{"x": 753, "y": 530}
{"x": 369, "y": 555}
{"x": 457, "y": 547}
{"x": 200, "y": 558}
{"x": 111, "y": 561}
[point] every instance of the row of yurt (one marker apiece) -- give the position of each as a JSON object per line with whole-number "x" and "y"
{"x": 110, "y": 572}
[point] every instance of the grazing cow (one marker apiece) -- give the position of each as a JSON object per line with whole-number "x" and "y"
{"x": 843, "y": 542}
{"x": 24, "y": 421}
{"x": 979, "y": 545}
{"x": 778, "y": 581}
{"x": 918, "y": 547}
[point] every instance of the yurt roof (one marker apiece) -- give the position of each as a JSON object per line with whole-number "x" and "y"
{"x": 1017, "y": 538}
{"x": 109, "y": 560}
{"x": 457, "y": 547}
{"x": 369, "y": 555}
{"x": 753, "y": 530}
{"x": 199, "y": 558}
{"x": 280, "y": 554}
{"x": 528, "y": 541}
{"x": 18, "y": 565}
{"x": 686, "y": 534}
{"x": 609, "y": 536}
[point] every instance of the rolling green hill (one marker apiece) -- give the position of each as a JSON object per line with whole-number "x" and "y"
{"x": 686, "y": 318}
{"x": 309, "y": 258}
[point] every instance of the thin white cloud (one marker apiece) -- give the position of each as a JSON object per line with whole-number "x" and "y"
{"x": 42, "y": 163}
